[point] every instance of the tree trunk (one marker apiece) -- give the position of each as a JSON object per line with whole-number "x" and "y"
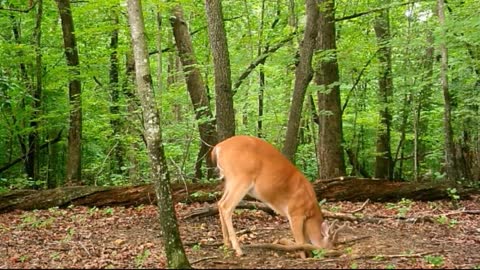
{"x": 330, "y": 150}
{"x": 196, "y": 90}
{"x": 292, "y": 15}
{"x": 158, "y": 45}
{"x": 419, "y": 103}
{"x": 74, "y": 151}
{"x": 176, "y": 257}
{"x": 450, "y": 161}
{"x": 261, "y": 75}
{"x": 118, "y": 152}
{"x": 383, "y": 160}
{"x": 132, "y": 117}
{"x": 303, "y": 76}
{"x": 34, "y": 136}
{"x": 225, "y": 115}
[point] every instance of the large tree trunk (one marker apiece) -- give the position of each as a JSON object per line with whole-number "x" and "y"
{"x": 74, "y": 151}
{"x": 176, "y": 257}
{"x": 337, "y": 189}
{"x": 34, "y": 136}
{"x": 261, "y": 75}
{"x": 132, "y": 117}
{"x": 450, "y": 161}
{"x": 420, "y": 101}
{"x": 383, "y": 160}
{"x": 225, "y": 114}
{"x": 118, "y": 152}
{"x": 330, "y": 149}
{"x": 197, "y": 92}
{"x": 303, "y": 76}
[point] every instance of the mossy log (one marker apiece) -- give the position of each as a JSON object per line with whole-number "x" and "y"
{"x": 337, "y": 189}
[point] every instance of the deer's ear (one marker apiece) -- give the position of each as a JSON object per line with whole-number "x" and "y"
{"x": 325, "y": 229}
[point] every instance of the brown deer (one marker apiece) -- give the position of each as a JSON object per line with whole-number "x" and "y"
{"x": 252, "y": 166}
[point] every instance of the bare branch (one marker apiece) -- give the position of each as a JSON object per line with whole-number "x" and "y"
{"x": 355, "y": 15}
{"x": 260, "y": 59}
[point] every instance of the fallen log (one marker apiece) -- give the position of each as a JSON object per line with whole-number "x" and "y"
{"x": 380, "y": 190}
{"x": 100, "y": 196}
{"x": 337, "y": 189}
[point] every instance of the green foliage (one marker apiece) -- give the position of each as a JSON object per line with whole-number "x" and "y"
{"x": 70, "y": 233}
{"x": 32, "y": 220}
{"x": 20, "y": 182}
{"x": 197, "y": 247}
{"x": 108, "y": 211}
{"x": 390, "y": 266}
{"x": 434, "y": 261}
{"x": 444, "y": 220}
{"x": 402, "y": 207}
{"x": 227, "y": 252}
{"x": 453, "y": 194}
{"x": 24, "y": 258}
{"x": 55, "y": 256}
{"x": 92, "y": 211}
{"x": 319, "y": 253}
{"x": 415, "y": 86}
{"x": 379, "y": 258}
{"x": 141, "y": 258}
{"x": 200, "y": 193}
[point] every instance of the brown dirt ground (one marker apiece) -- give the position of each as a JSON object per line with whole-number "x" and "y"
{"x": 117, "y": 237}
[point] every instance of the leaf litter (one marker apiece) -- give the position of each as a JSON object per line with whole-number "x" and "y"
{"x": 118, "y": 237}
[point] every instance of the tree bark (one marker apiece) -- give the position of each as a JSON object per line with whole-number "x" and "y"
{"x": 419, "y": 103}
{"x": 196, "y": 90}
{"x": 383, "y": 159}
{"x": 176, "y": 257}
{"x": 225, "y": 114}
{"x": 261, "y": 74}
{"x": 74, "y": 147}
{"x": 450, "y": 161}
{"x": 303, "y": 76}
{"x": 330, "y": 150}
{"x": 34, "y": 136}
{"x": 118, "y": 152}
{"x": 132, "y": 117}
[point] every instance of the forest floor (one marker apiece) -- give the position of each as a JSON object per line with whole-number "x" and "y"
{"x": 117, "y": 237}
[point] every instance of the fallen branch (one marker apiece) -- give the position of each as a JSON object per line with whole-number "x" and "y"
{"x": 393, "y": 256}
{"x": 293, "y": 247}
{"x": 361, "y": 207}
{"x": 290, "y": 246}
{"x": 213, "y": 210}
{"x": 350, "y": 242}
{"x": 384, "y": 256}
{"x": 204, "y": 259}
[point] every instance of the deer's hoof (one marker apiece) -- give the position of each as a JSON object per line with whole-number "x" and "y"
{"x": 239, "y": 253}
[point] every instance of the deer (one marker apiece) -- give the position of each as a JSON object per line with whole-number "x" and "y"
{"x": 250, "y": 165}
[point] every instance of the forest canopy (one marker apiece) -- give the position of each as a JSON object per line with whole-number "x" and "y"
{"x": 395, "y": 61}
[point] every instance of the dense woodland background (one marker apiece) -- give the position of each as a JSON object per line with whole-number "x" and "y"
{"x": 404, "y": 103}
